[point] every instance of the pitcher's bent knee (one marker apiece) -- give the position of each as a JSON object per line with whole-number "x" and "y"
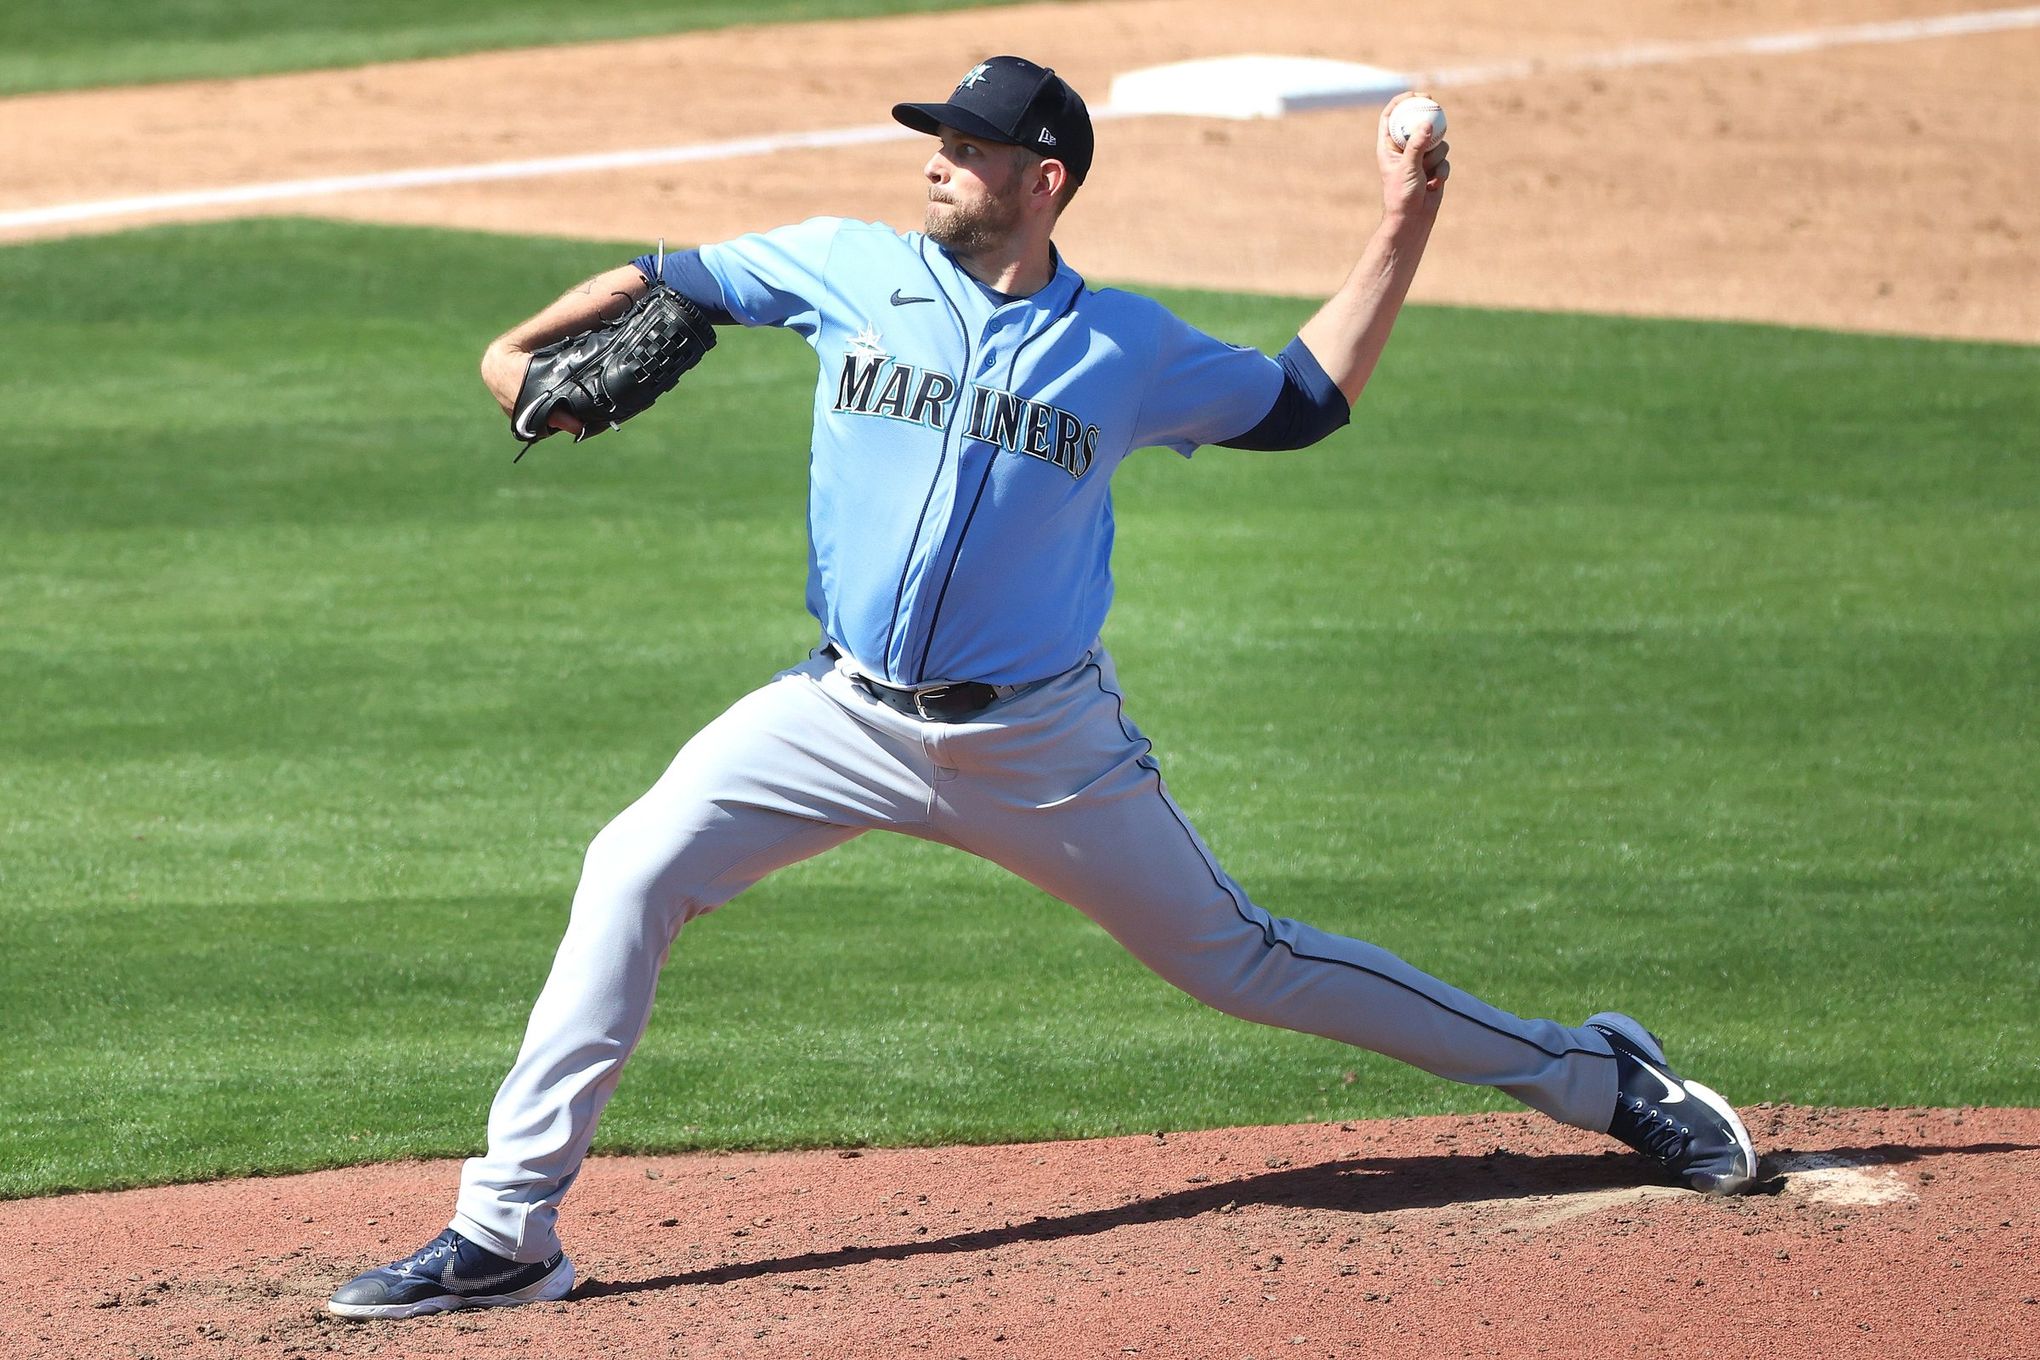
{"x": 630, "y": 876}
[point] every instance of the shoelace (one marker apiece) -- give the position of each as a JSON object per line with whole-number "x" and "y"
{"x": 430, "y": 1251}
{"x": 1658, "y": 1135}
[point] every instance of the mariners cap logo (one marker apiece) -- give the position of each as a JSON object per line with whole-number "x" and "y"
{"x": 1015, "y": 101}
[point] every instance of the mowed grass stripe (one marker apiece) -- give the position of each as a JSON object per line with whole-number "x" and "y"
{"x": 66, "y": 44}
{"x": 1681, "y": 668}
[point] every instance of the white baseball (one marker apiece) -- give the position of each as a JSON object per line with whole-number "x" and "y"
{"x": 1410, "y": 114}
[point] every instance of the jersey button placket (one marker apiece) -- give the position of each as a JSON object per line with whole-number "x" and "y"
{"x": 989, "y": 342}
{"x": 908, "y": 638}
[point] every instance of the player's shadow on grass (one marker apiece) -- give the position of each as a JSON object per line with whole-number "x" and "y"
{"x": 1355, "y": 1185}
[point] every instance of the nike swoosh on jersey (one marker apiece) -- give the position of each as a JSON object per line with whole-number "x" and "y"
{"x": 900, "y": 301}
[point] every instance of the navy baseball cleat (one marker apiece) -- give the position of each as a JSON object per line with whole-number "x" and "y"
{"x": 1681, "y": 1125}
{"x": 450, "y": 1272}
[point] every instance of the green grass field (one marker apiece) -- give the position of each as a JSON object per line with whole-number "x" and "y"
{"x": 1675, "y": 667}
{"x": 64, "y": 44}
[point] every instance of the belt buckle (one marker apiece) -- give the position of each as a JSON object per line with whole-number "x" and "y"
{"x": 921, "y": 697}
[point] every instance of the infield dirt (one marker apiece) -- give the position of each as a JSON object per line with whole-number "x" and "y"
{"x": 1876, "y": 1233}
{"x": 1890, "y": 187}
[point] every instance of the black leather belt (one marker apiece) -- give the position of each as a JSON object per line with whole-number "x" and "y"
{"x": 942, "y": 703}
{"x": 936, "y": 703}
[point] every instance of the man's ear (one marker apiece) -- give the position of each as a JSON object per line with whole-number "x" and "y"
{"x": 1050, "y": 175}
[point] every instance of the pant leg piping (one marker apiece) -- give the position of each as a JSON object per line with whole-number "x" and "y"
{"x": 1147, "y": 762}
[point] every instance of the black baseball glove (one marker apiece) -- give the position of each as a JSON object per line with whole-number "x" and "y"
{"x": 603, "y": 377}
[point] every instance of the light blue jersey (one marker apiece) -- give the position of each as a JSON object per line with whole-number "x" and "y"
{"x": 960, "y": 512}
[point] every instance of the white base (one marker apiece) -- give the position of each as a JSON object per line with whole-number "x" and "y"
{"x": 1252, "y": 86}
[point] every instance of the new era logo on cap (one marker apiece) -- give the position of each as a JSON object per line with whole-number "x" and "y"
{"x": 1012, "y": 100}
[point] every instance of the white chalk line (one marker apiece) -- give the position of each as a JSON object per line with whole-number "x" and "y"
{"x": 1760, "y": 45}
{"x": 1649, "y": 54}
{"x": 451, "y": 174}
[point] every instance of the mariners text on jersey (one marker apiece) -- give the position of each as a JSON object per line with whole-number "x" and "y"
{"x": 1015, "y": 423}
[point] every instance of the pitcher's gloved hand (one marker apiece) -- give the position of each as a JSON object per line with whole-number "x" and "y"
{"x": 604, "y": 376}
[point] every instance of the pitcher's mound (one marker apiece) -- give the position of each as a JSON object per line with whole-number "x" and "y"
{"x": 1891, "y": 1232}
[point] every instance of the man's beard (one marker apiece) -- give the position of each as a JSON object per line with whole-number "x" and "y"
{"x": 971, "y": 229}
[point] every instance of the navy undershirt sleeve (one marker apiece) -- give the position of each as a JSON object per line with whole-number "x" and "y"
{"x": 686, "y": 275}
{"x": 1309, "y": 406}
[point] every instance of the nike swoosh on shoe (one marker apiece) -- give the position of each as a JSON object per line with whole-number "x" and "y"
{"x": 474, "y": 1283}
{"x": 1675, "y": 1091}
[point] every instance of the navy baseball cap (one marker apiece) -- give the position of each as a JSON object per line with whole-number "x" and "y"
{"x": 1011, "y": 100}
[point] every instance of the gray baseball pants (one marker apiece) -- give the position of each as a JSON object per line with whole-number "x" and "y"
{"x": 1055, "y": 784}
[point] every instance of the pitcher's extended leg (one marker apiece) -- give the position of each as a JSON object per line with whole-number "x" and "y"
{"x": 783, "y": 775}
{"x": 1088, "y": 819}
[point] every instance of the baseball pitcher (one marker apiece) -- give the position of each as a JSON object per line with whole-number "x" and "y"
{"x": 974, "y": 396}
